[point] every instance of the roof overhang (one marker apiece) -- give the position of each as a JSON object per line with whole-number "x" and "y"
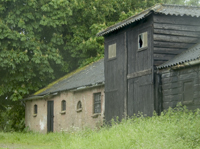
{"x": 48, "y": 95}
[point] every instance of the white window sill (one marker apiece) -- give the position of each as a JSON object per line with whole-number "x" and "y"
{"x": 79, "y": 110}
{"x": 34, "y": 115}
{"x": 62, "y": 112}
{"x": 95, "y": 115}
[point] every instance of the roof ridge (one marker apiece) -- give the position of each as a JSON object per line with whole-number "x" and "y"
{"x": 159, "y": 8}
{"x": 178, "y": 5}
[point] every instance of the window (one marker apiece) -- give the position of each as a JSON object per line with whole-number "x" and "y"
{"x": 79, "y": 106}
{"x": 112, "y": 51}
{"x": 143, "y": 40}
{"x": 35, "y": 110}
{"x": 63, "y": 105}
{"x": 97, "y": 103}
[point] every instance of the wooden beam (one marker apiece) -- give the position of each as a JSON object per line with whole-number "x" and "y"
{"x": 177, "y": 27}
{"x": 168, "y": 38}
{"x": 139, "y": 74}
{"x": 176, "y": 20}
{"x": 177, "y": 33}
{"x": 163, "y": 56}
{"x": 168, "y": 51}
{"x": 172, "y": 45}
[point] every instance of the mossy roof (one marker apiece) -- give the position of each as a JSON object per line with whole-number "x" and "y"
{"x": 87, "y": 76}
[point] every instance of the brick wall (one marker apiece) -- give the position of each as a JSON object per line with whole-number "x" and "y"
{"x": 71, "y": 119}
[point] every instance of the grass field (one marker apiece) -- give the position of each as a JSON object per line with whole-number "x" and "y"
{"x": 176, "y": 129}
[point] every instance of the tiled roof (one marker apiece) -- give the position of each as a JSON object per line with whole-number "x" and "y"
{"x": 187, "y": 56}
{"x": 90, "y": 75}
{"x": 177, "y": 10}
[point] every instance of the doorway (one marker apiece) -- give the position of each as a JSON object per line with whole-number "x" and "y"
{"x": 50, "y": 116}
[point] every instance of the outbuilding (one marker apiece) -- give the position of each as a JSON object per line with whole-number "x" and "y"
{"x": 72, "y": 102}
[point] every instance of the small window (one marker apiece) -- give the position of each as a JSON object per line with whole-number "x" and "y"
{"x": 63, "y": 105}
{"x": 112, "y": 51}
{"x": 97, "y": 103}
{"x": 35, "y": 110}
{"x": 79, "y": 106}
{"x": 143, "y": 40}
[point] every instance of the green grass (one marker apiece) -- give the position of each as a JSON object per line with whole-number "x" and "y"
{"x": 176, "y": 129}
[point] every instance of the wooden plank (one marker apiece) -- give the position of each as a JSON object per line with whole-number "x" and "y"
{"x": 174, "y": 38}
{"x": 173, "y": 91}
{"x": 139, "y": 74}
{"x": 172, "y": 45}
{"x": 177, "y": 27}
{"x": 167, "y": 98}
{"x": 159, "y": 62}
{"x": 163, "y": 56}
{"x": 176, "y": 20}
{"x": 168, "y": 51}
{"x": 177, "y": 33}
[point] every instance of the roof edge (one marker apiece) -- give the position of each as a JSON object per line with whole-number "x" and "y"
{"x": 137, "y": 17}
{"x": 64, "y": 77}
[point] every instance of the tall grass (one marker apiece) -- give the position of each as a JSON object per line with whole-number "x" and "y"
{"x": 175, "y": 128}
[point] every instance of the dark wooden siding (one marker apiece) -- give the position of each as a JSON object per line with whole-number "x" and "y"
{"x": 173, "y": 35}
{"x": 140, "y": 71}
{"x": 140, "y": 96}
{"x": 181, "y": 86}
{"x": 114, "y": 77}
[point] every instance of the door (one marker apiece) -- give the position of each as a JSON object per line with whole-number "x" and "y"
{"x": 50, "y": 116}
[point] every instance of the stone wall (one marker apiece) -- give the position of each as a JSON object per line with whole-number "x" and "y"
{"x": 181, "y": 85}
{"x": 71, "y": 118}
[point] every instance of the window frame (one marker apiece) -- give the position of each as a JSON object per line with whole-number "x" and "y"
{"x": 63, "y": 107}
{"x": 142, "y": 34}
{"x": 79, "y": 109}
{"x": 97, "y": 103}
{"x": 35, "y": 110}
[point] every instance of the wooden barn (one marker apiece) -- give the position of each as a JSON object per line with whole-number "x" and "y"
{"x": 139, "y": 51}
{"x": 151, "y": 62}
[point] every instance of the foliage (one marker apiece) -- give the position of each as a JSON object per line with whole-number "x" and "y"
{"x": 175, "y": 128}
{"x": 12, "y": 118}
{"x": 42, "y": 40}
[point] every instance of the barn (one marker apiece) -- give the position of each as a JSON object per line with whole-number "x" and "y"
{"x": 140, "y": 56}
{"x": 72, "y": 102}
{"x": 151, "y": 62}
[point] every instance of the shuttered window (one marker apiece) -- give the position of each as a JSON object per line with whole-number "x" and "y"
{"x": 143, "y": 40}
{"x": 112, "y": 51}
{"x": 97, "y": 103}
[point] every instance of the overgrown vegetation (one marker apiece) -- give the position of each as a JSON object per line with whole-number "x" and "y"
{"x": 176, "y": 128}
{"x": 41, "y": 40}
